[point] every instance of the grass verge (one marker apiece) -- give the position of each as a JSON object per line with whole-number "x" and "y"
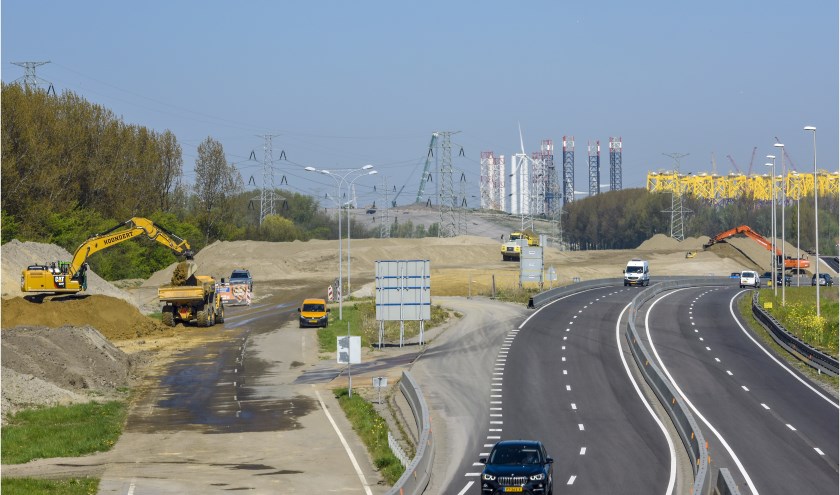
{"x": 62, "y": 431}
{"x": 373, "y": 431}
{"x": 799, "y": 315}
{"x": 745, "y": 308}
{"x": 33, "y": 486}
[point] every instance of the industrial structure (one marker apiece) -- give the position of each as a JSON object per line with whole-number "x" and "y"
{"x": 568, "y": 169}
{"x": 723, "y": 188}
{"x": 615, "y": 164}
{"x": 594, "y": 151}
{"x": 492, "y": 182}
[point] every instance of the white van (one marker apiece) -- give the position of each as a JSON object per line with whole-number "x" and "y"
{"x": 750, "y": 278}
{"x": 637, "y": 272}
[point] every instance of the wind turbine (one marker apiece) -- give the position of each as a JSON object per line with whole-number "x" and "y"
{"x": 520, "y": 193}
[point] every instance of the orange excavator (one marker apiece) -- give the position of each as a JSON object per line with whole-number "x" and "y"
{"x": 789, "y": 262}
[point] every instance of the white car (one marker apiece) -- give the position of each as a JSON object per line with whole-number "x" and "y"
{"x": 750, "y": 278}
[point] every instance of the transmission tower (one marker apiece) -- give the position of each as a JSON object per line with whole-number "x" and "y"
{"x": 267, "y": 194}
{"x": 594, "y": 167}
{"x": 382, "y": 213}
{"x": 677, "y": 211}
{"x": 568, "y": 170}
{"x": 30, "y": 78}
{"x": 447, "y": 201}
{"x": 552, "y": 187}
{"x": 462, "y": 206}
{"x": 615, "y": 164}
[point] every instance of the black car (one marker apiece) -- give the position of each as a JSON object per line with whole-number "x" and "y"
{"x": 788, "y": 279}
{"x": 518, "y": 466}
{"x": 825, "y": 279}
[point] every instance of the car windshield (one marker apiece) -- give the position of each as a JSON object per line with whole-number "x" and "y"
{"x": 236, "y": 275}
{"x": 747, "y": 274}
{"x": 634, "y": 269}
{"x": 515, "y": 454}
{"x": 313, "y": 307}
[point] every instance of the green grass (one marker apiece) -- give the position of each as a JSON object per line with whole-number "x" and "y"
{"x": 62, "y": 431}
{"x": 32, "y": 486}
{"x": 799, "y": 315}
{"x": 373, "y": 431}
{"x": 745, "y": 308}
{"x": 361, "y": 315}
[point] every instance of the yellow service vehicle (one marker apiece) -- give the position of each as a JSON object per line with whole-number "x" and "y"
{"x": 313, "y": 313}
{"x": 511, "y": 249}
{"x": 63, "y": 277}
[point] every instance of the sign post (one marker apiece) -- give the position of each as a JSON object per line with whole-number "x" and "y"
{"x": 349, "y": 351}
{"x": 378, "y": 383}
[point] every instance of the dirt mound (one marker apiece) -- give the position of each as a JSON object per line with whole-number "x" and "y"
{"x": 46, "y": 366}
{"x": 660, "y": 242}
{"x": 114, "y": 318}
{"x": 15, "y": 256}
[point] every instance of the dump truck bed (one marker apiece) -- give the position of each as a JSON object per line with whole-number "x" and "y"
{"x": 185, "y": 293}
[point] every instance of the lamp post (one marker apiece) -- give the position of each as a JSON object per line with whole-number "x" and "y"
{"x": 773, "y": 220}
{"x": 798, "y": 229}
{"x": 816, "y": 220}
{"x": 340, "y": 176}
{"x": 366, "y": 168}
{"x": 784, "y": 200}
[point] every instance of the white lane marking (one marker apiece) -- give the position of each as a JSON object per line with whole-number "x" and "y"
{"x": 495, "y": 415}
{"x": 496, "y": 396}
{"x": 344, "y": 443}
{"x": 708, "y": 348}
{"x": 583, "y": 451}
{"x": 564, "y": 338}
{"x": 495, "y": 408}
{"x": 563, "y": 348}
{"x": 469, "y": 485}
{"x": 488, "y": 445}
{"x": 132, "y": 486}
{"x": 745, "y": 388}
{"x": 701, "y": 339}
{"x": 771, "y": 356}
{"x": 565, "y": 372}
{"x": 571, "y": 480}
{"x": 791, "y": 427}
{"x": 728, "y": 372}
{"x": 574, "y": 407}
{"x": 472, "y": 475}
{"x": 494, "y": 429}
{"x": 563, "y": 358}
{"x": 820, "y": 452}
{"x": 493, "y": 437}
{"x": 477, "y": 464}
{"x": 672, "y": 477}
{"x": 568, "y": 387}
{"x": 495, "y": 402}
{"x": 765, "y": 406}
{"x": 688, "y": 402}
{"x": 497, "y": 422}
{"x": 580, "y": 426}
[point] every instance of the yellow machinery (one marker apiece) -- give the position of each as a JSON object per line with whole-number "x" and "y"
{"x": 198, "y": 301}
{"x": 64, "y": 277}
{"x": 511, "y": 249}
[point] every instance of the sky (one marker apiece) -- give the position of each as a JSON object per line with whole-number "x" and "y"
{"x": 343, "y": 84}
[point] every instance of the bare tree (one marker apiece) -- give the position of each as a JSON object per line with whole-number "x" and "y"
{"x": 215, "y": 182}
{"x": 171, "y": 168}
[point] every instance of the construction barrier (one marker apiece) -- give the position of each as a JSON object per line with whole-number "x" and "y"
{"x": 416, "y": 477}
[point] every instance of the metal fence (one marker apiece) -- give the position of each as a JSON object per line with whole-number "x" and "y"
{"x": 416, "y": 477}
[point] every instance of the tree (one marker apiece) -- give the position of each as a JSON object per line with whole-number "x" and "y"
{"x": 215, "y": 183}
{"x": 276, "y": 228}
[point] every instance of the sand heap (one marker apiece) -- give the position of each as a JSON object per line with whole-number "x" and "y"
{"x": 661, "y": 242}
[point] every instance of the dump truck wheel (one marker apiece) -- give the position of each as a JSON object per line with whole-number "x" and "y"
{"x": 168, "y": 318}
{"x": 201, "y": 318}
{"x": 220, "y": 316}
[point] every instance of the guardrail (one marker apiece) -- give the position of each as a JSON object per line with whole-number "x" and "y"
{"x": 806, "y": 353}
{"x": 416, "y": 477}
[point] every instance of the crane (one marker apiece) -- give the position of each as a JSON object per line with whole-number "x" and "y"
{"x": 752, "y": 159}
{"x": 733, "y": 163}
{"x": 789, "y": 159}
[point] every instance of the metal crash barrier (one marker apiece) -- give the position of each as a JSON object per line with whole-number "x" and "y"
{"x": 418, "y": 473}
{"x": 808, "y": 354}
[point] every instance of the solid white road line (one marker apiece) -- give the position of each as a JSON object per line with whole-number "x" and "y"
{"x": 346, "y": 446}
{"x": 820, "y": 452}
{"x": 583, "y": 451}
{"x": 571, "y": 480}
{"x": 672, "y": 477}
{"x": 469, "y": 485}
{"x": 688, "y": 402}
{"x": 786, "y": 368}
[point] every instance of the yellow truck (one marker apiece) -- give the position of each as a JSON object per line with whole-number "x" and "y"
{"x": 197, "y": 301}
{"x": 511, "y": 249}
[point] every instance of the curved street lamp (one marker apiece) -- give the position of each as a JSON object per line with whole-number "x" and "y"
{"x": 816, "y": 220}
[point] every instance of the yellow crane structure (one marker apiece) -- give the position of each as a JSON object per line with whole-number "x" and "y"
{"x": 721, "y": 188}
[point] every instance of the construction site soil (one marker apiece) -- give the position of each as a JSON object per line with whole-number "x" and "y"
{"x": 67, "y": 349}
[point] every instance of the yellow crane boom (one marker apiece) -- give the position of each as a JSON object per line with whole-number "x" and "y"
{"x": 70, "y": 277}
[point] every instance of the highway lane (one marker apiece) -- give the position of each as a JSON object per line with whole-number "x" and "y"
{"x": 559, "y": 378}
{"x": 775, "y": 431}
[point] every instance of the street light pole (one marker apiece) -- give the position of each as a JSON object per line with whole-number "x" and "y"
{"x": 784, "y": 200}
{"x": 349, "y": 186}
{"x": 773, "y": 221}
{"x": 816, "y": 221}
{"x": 340, "y": 179}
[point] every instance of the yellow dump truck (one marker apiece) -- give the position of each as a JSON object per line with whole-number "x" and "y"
{"x": 511, "y": 249}
{"x": 197, "y": 301}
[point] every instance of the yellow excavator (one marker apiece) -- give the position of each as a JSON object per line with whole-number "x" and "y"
{"x": 63, "y": 277}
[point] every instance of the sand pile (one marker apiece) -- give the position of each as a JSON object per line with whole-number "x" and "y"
{"x": 16, "y": 256}
{"x": 661, "y": 242}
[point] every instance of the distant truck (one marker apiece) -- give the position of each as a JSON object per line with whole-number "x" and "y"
{"x": 511, "y": 250}
{"x": 197, "y": 301}
{"x": 637, "y": 272}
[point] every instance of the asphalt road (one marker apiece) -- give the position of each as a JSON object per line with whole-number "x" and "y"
{"x": 227, "y": 416}
{"x": 559, "y": 377}
{"x": 774, "y": 429}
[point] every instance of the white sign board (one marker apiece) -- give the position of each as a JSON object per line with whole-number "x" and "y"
{"x": 380, "y": 381}
{"x": 403, "y": 290}
{"x": 531, "y": 264}
{"x": 349, "y": 349}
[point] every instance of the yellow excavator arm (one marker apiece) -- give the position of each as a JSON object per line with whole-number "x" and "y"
{"x": 64, "y": 277}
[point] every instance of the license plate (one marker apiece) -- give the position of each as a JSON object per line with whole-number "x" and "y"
{"x": 314, "y": 320}
{"x": 513, "y": 489}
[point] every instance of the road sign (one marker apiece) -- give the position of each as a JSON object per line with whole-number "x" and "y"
{"x": 349, "y": 349}
{"x": 330, "y": 293}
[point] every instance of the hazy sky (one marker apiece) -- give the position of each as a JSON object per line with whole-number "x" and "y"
{"x": 344, "y": 84}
